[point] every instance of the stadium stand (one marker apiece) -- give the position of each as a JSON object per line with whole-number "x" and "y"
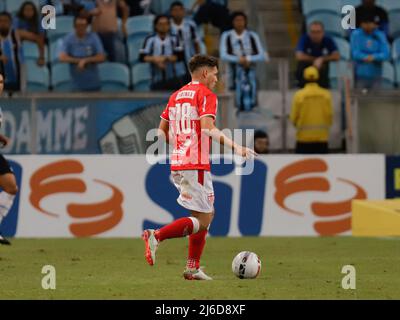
{"x": 114, "y": 77}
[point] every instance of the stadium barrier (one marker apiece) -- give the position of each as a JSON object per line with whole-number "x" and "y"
{"x": 119, "y": 195}
{"x": 379, "y": 109}
{"x": 93, "y": 123}
{"x": 376, "y": 218}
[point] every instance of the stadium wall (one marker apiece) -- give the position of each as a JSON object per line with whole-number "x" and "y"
{"x": 97, "y": 123}
{"x": 119, "y": 195}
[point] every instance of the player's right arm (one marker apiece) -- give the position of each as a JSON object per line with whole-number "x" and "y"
{"x": 208, "y": 128}
{"x": 163, "y": 130}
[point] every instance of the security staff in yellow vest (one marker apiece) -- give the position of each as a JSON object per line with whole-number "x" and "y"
{"x": 312, "y": 114}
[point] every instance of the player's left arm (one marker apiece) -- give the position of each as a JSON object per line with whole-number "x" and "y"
{"x": 208, "y": 128}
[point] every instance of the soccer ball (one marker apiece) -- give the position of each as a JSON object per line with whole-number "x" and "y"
{"x": 246, "y": 265}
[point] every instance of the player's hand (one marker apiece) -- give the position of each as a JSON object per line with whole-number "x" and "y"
{"x": 245, "y": 152}
{"x": 3, "y": 141}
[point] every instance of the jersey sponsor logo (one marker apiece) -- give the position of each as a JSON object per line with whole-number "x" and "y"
{"x": 88, "y": 218}
{"x": 307, "y": 176}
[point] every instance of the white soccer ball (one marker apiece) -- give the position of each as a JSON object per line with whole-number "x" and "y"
{"x": 246, "y": 265}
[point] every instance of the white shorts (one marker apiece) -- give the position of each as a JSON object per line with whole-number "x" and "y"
{"x": 195, "y": 188}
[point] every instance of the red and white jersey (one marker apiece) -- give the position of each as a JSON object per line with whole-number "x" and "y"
{"x": 184, "y": 110}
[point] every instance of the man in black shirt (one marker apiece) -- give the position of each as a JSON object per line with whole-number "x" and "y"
{"x": 367, "y": 9}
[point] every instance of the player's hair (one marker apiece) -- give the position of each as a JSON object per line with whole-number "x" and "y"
{"x": 176, "y": 4}
{"x": 202, "y": 60}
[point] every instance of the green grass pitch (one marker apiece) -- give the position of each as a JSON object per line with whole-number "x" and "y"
{"x": 292, "y": 268}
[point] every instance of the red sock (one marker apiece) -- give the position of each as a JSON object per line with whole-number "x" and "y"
{"x": 197, "y": 241}
{"x": 177, "y": 229}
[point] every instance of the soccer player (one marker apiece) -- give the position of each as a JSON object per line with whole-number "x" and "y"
{"x": 7, "y": 179}
{"x": 188, "y": 123}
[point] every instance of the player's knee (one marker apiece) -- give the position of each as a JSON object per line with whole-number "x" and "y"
{"x": 204, "y": 226}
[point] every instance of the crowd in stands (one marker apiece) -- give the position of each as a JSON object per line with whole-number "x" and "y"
{"x": 121, "y": 45}
{"x": 372, "y": 48}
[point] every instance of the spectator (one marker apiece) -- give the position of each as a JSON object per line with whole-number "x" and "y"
{"x": 368, "y": 9}
{"x": 316, "y": 49}
{"x": 312, "y": 114}
{"x": 105, "y": 24}
{"x": 261, "y": 142}
{"x": 185, "y": 29}
{"x": 83, "y": 51}
{"x": 86, "y": 9}
{"x": 135, "y": 7}
{"x": 215, "y": 12}
{"x": 165, "y": 53}
{"x": 369, "y": 48}
{"x": 29, "y": 27}
{"x": 63, "y": 7}
{"x": 242, "y": 48}
{"x": 10, "y": 54}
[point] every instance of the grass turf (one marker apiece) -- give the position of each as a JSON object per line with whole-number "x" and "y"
{"x": 292, "y": 268}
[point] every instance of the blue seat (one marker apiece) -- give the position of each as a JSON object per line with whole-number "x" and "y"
{"x": 114, "y": 76}
{"x": 134, "y": 46}
{"x": 61, "y": 78}
{"x": 396, "y": 50}
{"x": 388, "y": 76}
{"x": 332, "y": 23}
{"x": 338, "y": 70}
{"x": 64, "y": 25}
{"x": 12, "y": 6}
{"x": 188, "y": 4}
{"x": 394, "y": 24}
{"x": 344, "y": 48}
{"x": 141, "y": 77}
{"x": 162, "y": 6}
{"x": 389, "y": 5}
{"x": 37, "y": 78}
{"x": 54, "y": 48}
{"x": 139, "y": 25}
{"x": 311, "y": 7}
{"x": 397, "y": 71}
{"x": 354, "y": 3}
{"x": 31, "y": 51}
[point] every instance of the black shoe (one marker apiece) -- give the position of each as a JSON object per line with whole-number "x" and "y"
{"x": 4, "y": 241}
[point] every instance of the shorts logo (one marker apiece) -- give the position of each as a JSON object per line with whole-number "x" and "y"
{"x": 186, "y": 196}
{"x": 89, "y": 219}
{"x": 292, "y": 180}
{"x": 211, "y": 198}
